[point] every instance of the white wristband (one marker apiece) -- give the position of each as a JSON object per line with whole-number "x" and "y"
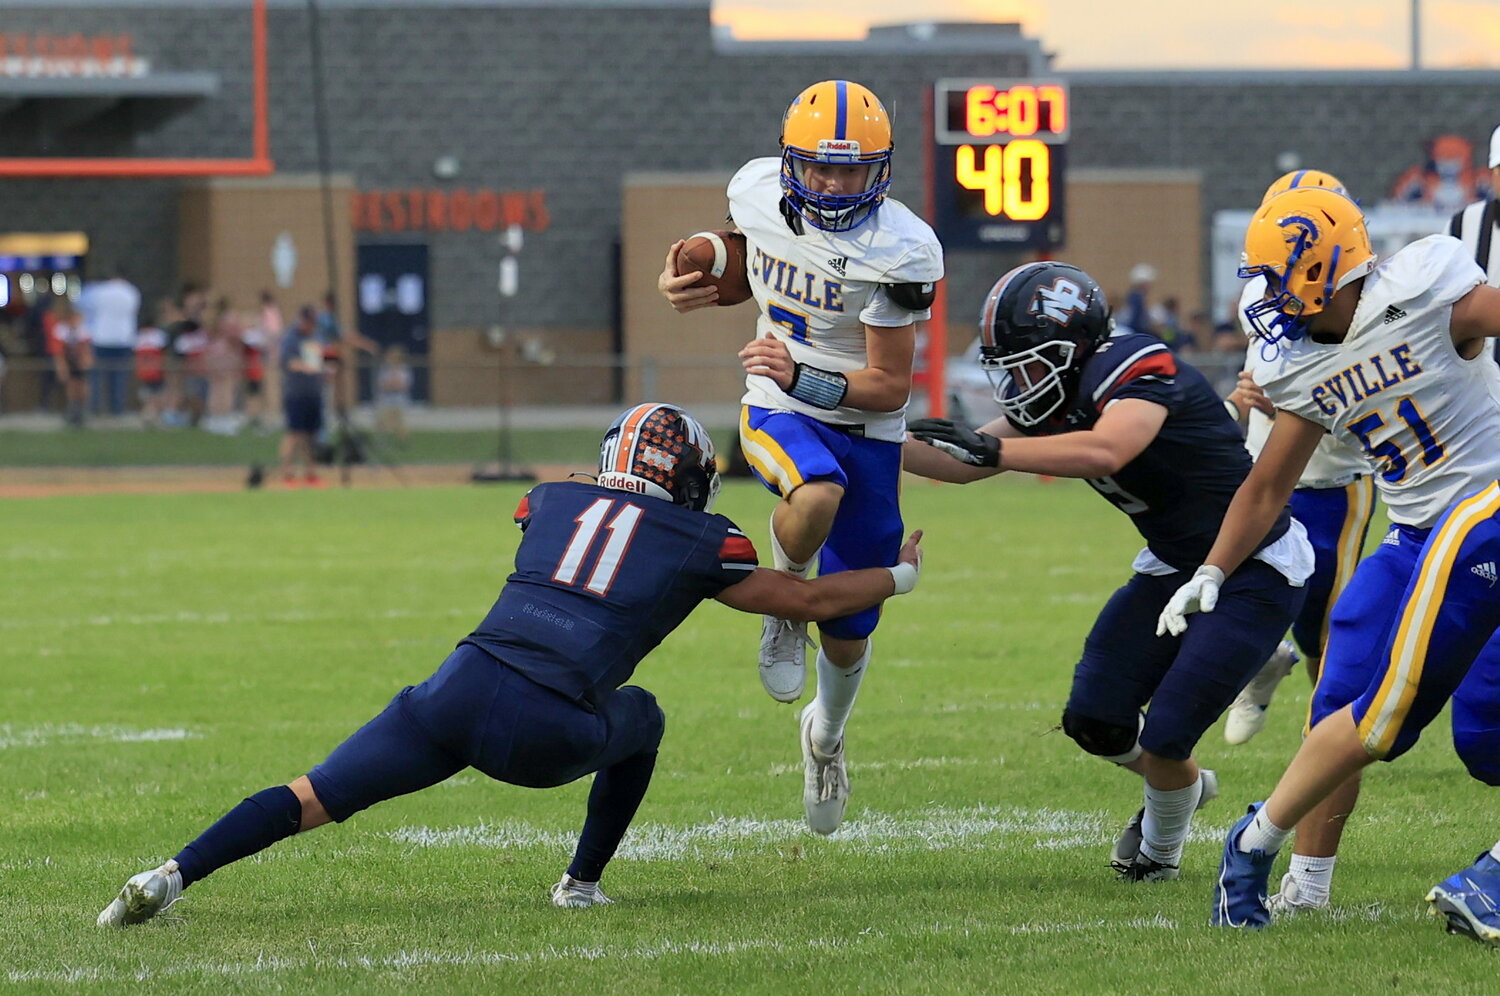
{"x": 905, "y": 576}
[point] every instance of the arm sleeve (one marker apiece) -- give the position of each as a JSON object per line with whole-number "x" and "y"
{"x": 729, "y": 555}
{"x": 881, "y": 312}
{"x": 1149, "y": 374}
{"x": 529, "y": 502}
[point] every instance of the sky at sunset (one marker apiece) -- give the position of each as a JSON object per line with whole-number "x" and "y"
{"x": 1169, "y": 34}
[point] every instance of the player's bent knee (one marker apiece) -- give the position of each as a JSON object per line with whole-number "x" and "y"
{"x": 653, "y": 719}
{"x": 1112, "y": 741}
{"x": 1481, "y": 758}
{"x": 819, "y": 499}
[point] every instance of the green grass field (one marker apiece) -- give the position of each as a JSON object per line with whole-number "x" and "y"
{"x": 166, "y": 656}
{"x": 194, "y": 447}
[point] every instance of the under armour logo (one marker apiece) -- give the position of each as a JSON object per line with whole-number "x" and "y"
{"x": 1392, "y": 314}
{"x": 838, "y": 263}
{"x": 1485, "y": 570}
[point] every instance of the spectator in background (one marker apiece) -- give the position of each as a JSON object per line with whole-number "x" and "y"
{"x": 302, "y": 374}
{"x": 111, "y": 309}
{"x": 272, "y": 326}
{"x": 1137, "y": 313}
{"x": 393, "y": 392}
{"x": 1169, "y": 326}
{"x": 151, "y": 345}
{"x": 253, "y": 375}
{"x": 191, "y": 345}
{"x": 1479, "y": 223}
{"x": 223, "y": 363}
{"x": 72, "y": 356}
{"x": 339, "y": 345}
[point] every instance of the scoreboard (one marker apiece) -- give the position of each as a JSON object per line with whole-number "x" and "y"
{"x": 999, "y": 155}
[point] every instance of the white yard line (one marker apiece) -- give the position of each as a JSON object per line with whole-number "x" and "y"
{"x": 404, "y": 960}
{"x": 933, "y": 830}
{"x": 51, "y": 733}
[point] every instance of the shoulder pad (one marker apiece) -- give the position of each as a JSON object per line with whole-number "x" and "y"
{"x": 912, "y": 297}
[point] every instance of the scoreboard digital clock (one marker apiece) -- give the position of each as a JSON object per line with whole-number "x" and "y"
{"x": 999, "y": 155}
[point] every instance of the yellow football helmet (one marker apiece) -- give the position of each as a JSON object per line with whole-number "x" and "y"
{"x": 1307, "y": 242}
{"x": 836, "y": 123}
{"x": 1304, "y": 178}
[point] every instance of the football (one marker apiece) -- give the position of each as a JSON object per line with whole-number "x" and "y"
{"x": 720, "y": 255}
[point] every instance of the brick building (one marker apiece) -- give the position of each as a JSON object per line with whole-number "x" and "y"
{"x": 569, "y": 97}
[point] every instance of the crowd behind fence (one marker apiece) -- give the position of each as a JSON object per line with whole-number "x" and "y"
{"x": 395, "y": 391}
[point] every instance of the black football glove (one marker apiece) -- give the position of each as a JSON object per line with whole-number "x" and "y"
{"x": 977, "y": 449}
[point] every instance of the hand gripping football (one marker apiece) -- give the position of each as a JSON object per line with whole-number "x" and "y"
{"x": 720, "y": 256}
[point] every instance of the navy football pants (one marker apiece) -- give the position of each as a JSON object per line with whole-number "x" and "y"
{"x": 476, "y": 712}
{"x": 1188, "y": 680}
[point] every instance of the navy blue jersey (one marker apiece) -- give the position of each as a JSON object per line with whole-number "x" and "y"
{"x": 1177, "y": 490}
{"x": 602, "y": 576}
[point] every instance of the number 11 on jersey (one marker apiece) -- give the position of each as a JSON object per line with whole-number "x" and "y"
{"x": 621, "y": 528}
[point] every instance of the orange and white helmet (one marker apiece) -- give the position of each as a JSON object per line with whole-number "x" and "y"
{"x": 836, "y": 123}
{"x": 663, "y": 452}
{"x": 1298, "y": 178}
{"x": 1308, "y": 242}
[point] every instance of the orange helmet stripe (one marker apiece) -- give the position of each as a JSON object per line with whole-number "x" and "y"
{"x": 628, "y": 431}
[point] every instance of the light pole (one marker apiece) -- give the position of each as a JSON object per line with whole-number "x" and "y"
{"x": 507, "y": 284}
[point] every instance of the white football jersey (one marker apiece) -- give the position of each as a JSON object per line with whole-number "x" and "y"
{"x": 1335, "y": 462}
{"x": 818, "y": 290}
{"x": 1397, "y": 387}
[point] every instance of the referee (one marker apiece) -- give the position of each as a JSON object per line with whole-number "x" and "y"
{"x": 1477, "y": 224}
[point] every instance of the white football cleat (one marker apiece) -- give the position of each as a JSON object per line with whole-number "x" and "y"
{"x": 144, "y": 896}
{"x": 569, "y": 893}
{"x": 825, "y": 782}
{"x": 1247, "y": 715}
{"x": 783, "y": 658}
{"x": 1289, "y": 900}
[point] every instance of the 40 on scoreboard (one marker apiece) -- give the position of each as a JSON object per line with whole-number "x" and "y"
{"x": 999, "y": 161}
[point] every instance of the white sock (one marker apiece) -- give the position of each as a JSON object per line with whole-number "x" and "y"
{"x": 1495, "y": 851}
{"x": 587, "y": 888}
{"x": 837, "y": 687}
{"x": 1168, "y": 814}
{"x": 1314, "y": 877}
{"x": 1262, "y": 835}
{"x": 781, "y": 561}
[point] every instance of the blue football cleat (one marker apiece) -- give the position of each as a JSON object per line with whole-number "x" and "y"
{"x": 1244, "y": 879}
{"x": 1471, "y": 901}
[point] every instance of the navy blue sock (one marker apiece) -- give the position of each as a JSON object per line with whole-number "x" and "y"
{"x": 255, "y": 824}
{"x": 616, "y": 795}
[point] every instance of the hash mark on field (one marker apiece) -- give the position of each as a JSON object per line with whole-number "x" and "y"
{"x": 921, "y": 762}
{"x": 936, "y": 830}
{"x": 49, "y": 733}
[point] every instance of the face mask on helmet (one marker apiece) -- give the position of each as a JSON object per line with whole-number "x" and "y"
{"x": 835, "y": 123}
{"x": 1308, "y": 243}
{"x": 1040, "y": 322}
{"x": 1029, "y": 385}
{"x": 662, "y": 452}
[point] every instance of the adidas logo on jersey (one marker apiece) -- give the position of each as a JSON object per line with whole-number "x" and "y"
{"x": 1392, "y": 538}
{"x": 1486, "y": 570}
{"x": 1392, "y": 314}
{"x": 838, "y": 263}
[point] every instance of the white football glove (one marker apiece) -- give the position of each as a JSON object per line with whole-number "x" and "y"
{"x": 1200, "y": 594}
